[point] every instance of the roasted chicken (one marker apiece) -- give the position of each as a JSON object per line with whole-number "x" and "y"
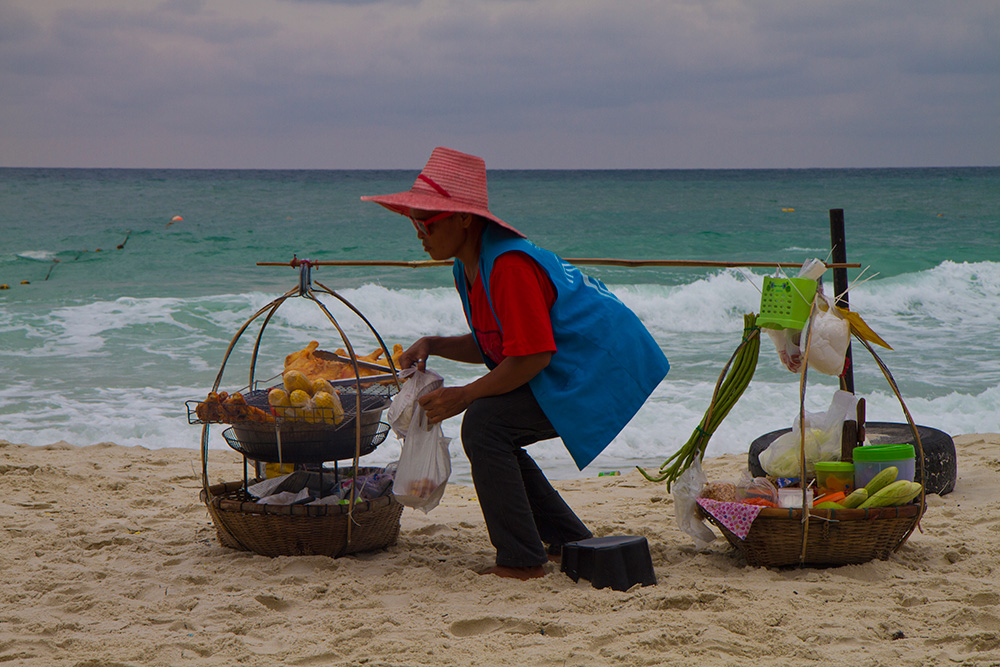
{"x": 317, "y": 364}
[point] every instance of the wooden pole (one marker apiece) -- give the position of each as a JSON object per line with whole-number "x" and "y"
{"x": 592, "y": 261}
{"x": 839, "y": 245}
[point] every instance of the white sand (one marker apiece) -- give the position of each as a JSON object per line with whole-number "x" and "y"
{"x": 109, "y": 558}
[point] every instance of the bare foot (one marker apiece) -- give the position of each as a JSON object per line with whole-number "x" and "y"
{"x": 522, "y": 573}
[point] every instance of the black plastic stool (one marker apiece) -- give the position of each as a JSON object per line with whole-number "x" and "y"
{"x": 618, "y": 562}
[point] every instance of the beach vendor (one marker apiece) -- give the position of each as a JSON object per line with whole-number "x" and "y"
{"x": 566, "y": 359}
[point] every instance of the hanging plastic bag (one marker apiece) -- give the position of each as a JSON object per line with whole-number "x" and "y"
{"x": 812, "y": 269}
{"x": 823, "y": 434}
{"x": 425, "y": 464}
{"x": 786, "y": 343}
{"x": 418, "y": 383}
{"x": 686, "y": 490}
{"x": 828, "y": 341}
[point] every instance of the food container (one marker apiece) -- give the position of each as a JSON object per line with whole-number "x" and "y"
{"x": 870, "y": 460}
{"x": 833, "y": 476}
{"x": 792, "y": 497}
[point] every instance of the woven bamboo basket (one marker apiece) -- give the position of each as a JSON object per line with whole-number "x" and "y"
{"x": 301, "y": 530}
{"x": 779, "y": 536}
{"x": 835, "y": 537}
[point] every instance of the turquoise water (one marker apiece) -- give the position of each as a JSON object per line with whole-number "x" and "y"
{"x": 106, "y": 343}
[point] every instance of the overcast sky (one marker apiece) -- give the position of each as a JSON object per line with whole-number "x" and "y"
{"x": 307, "y": 84}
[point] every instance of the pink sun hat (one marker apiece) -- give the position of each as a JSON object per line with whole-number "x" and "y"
{"x": 451, "y": 181}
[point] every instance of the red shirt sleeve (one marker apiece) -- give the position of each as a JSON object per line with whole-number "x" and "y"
{"x": 522, "y": 297}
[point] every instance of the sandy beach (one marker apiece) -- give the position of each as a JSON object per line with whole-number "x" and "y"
{"x": 109, "y": 558}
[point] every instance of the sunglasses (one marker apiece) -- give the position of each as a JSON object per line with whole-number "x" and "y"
{"x": 422, "y": 225}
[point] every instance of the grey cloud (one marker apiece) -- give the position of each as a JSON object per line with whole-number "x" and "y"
{"x": 593, "y": 83}
{"x": 355, "y": 2}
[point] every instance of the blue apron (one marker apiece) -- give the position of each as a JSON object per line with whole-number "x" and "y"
{"x": 606, "y": 363}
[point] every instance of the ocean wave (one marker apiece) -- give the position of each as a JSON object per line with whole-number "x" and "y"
{"x": 155, "y": 417}
{"x": 951, "y": 293}
{"x": 120, "y": 369}
{"x": 37, "y": 255}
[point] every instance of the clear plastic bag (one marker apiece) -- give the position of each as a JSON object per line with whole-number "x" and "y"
{"x": 761, "y": 488}
{"x": 418, "y": 383}
{"x": 686, "y": 490}
{"x": 823, "y": 434}
{"x": 425, "y": 463}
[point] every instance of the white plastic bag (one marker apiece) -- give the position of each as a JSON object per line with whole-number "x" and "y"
{"x": 417, "y": 384}
{"x": 425, "y": 464}
{"x": 786, "y": 343}
{"x": 828, "y": 341}
{"x": 686, "y": 489}
{"x": 822, "y": 440}
{"x": 812, "y": 269}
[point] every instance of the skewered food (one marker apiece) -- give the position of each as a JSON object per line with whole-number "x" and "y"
{"x": 221, "y": 407}
{"x": 307, "y": 392}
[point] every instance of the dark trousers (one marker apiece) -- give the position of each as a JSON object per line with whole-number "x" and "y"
{"x": 523, "y": 512}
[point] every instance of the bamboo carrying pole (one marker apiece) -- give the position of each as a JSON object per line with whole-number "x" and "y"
{"x": 590, "y": 261}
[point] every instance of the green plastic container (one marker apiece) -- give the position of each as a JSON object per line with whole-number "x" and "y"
{"x": 835, "y": 476}
{"x": 785, "y": 302}
{"x": 872, "y": 459}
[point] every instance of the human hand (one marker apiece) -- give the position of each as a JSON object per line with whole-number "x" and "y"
{"x": 416, "y": 355}
{"x": 443, "y": 403}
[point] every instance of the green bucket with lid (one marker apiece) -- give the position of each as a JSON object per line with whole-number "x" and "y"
{"x": 785, "y": 303}
{"x": 872, "y": 459}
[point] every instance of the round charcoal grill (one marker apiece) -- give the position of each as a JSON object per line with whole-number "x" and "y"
{"x": 297, "y": 441}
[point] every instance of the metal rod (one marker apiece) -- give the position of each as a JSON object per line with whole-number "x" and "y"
{"x": 592, "y": 261}
{"x": 838, "y": 243}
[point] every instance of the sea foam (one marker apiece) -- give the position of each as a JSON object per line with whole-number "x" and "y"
{"x": 121, "y": 370}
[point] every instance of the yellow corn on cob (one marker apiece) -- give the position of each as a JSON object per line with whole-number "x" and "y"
{"x": 329, "y": 406}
